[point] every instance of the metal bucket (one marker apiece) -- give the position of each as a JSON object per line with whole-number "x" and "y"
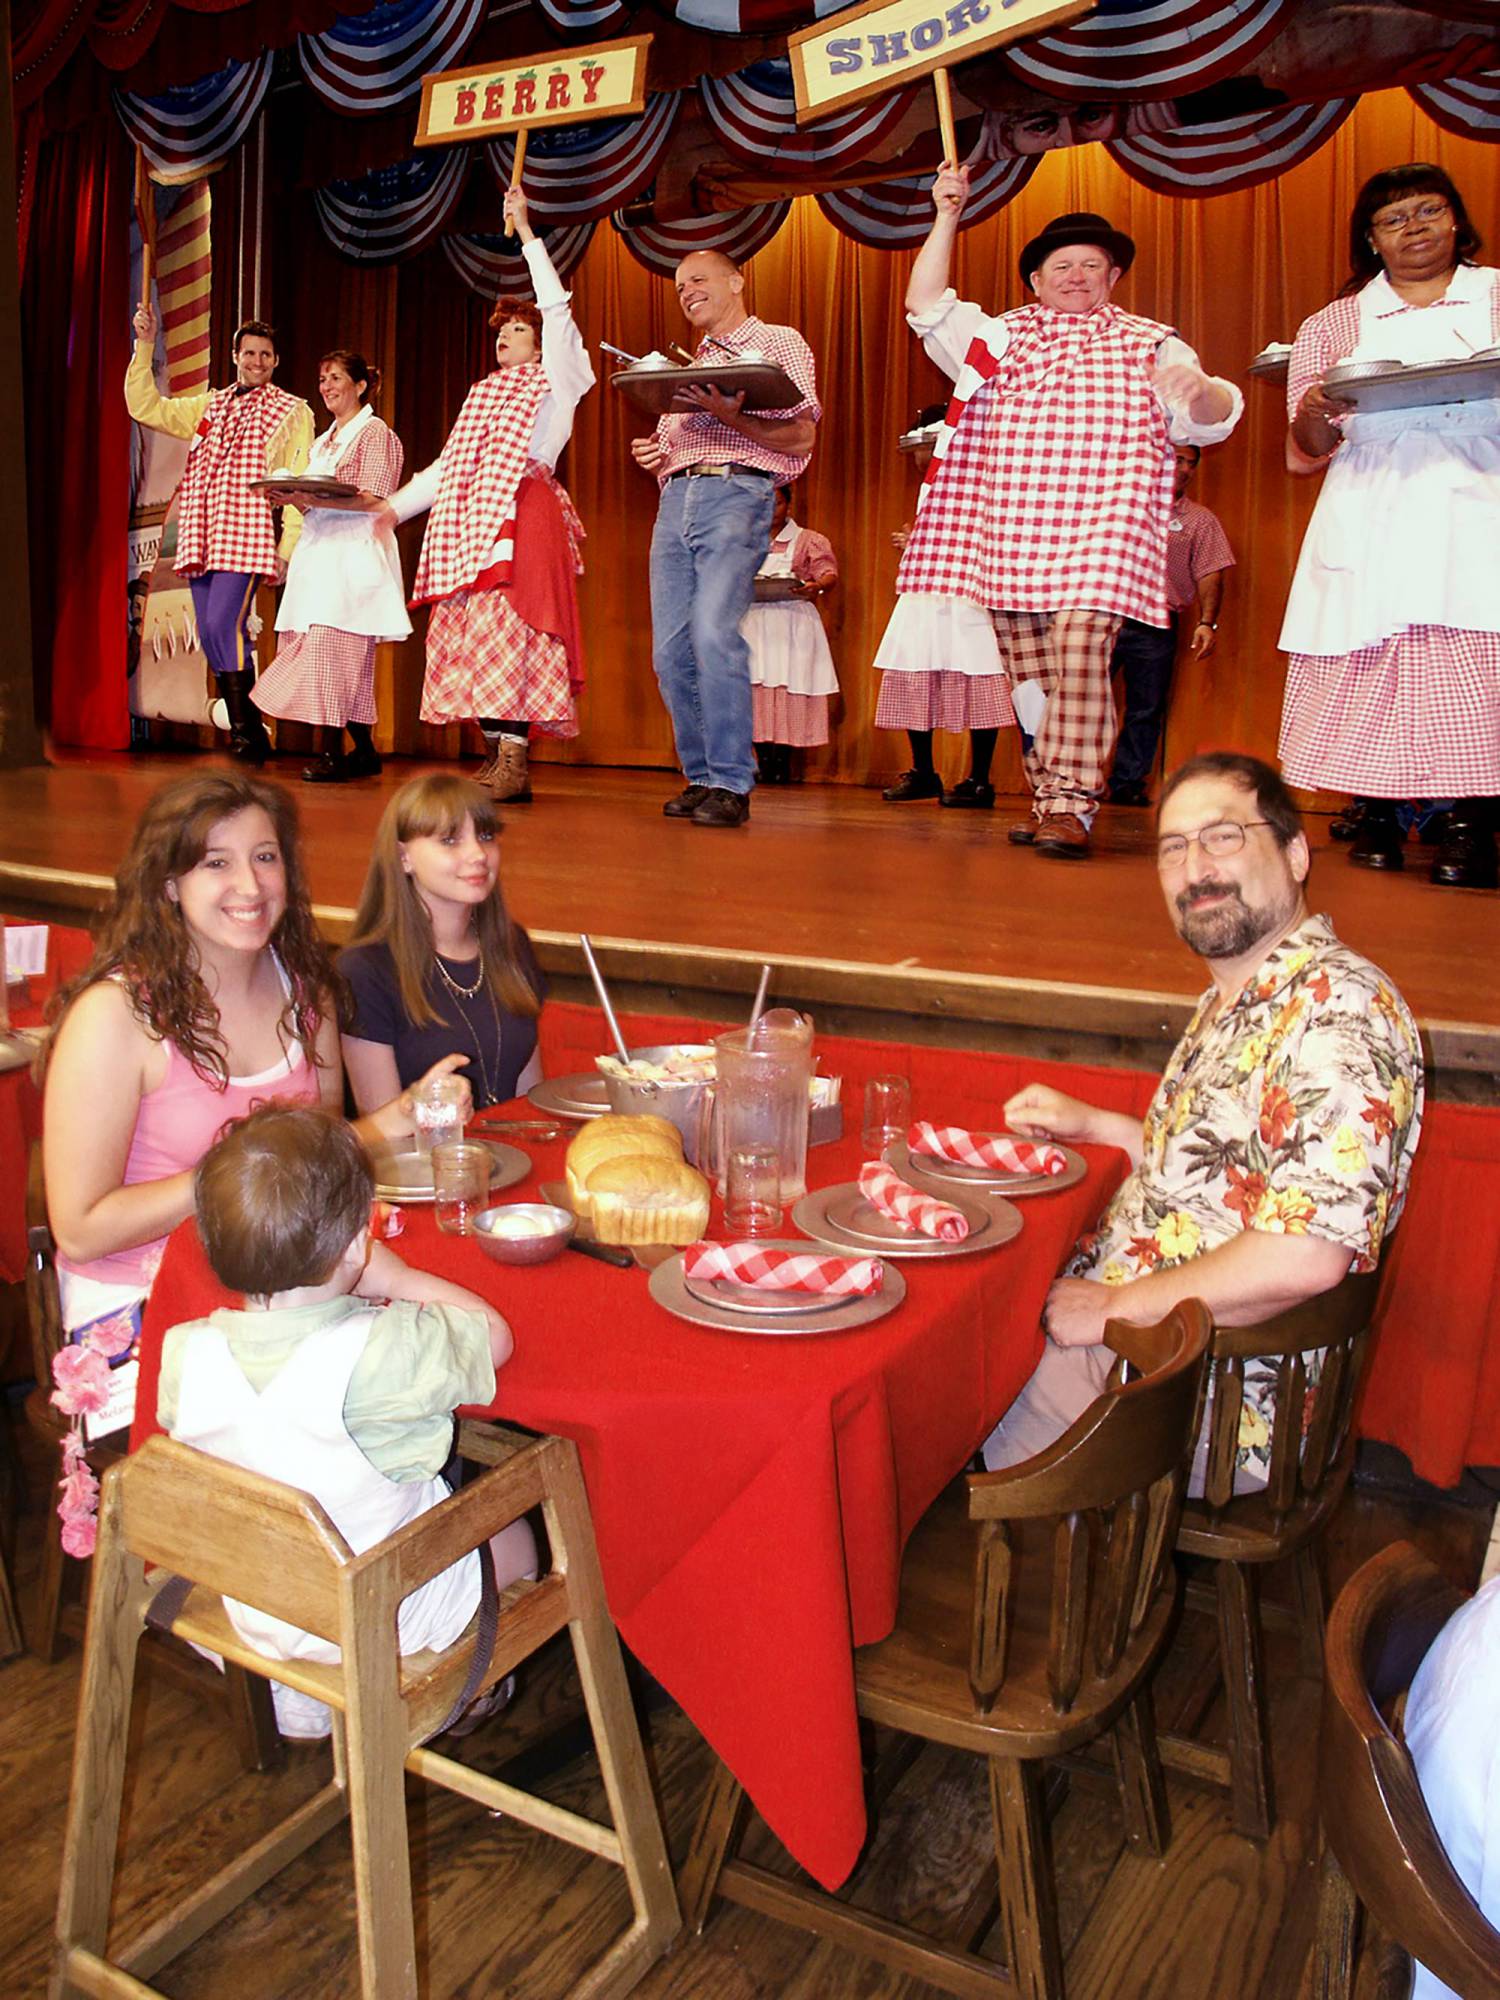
{"x": 682, "y": 1103}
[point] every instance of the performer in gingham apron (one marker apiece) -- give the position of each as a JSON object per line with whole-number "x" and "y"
{"x": 792, "y": 675}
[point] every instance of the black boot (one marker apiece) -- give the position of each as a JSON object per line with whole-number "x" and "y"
{"x": 332, "y": 766}
{"x": 248, "y": 741}
{"x": 364, "y": 759}
{"x": 1381, "y": 843}
{"x": 1467, "y": 858}
{"x": 1346, "y": 825}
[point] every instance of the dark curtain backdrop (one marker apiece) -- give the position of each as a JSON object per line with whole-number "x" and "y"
{"x": 1232, "y": 272}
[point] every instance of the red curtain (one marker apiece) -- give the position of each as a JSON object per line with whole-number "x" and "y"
{"x": 77, "y": 335}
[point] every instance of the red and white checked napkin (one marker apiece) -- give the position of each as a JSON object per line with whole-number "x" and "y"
{"x": 973, "y": 1149}
{"x": 771, "y": 1270}
{"x": 898, "y": 1199}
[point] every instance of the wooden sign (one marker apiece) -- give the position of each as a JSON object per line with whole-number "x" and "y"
{"x": 869, "y": 50}
{"x": 562, "y": 87}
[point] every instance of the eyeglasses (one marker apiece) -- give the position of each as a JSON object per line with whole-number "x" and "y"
{"x": 1226, "y": 837}
{"x": 1427, "y": 211}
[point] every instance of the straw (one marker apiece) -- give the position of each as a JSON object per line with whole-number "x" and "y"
{"x": 604, "y": 1000}
{"x": 760, "y": 1001}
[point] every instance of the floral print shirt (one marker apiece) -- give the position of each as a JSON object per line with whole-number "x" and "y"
{"x": 1294, "y": 1110}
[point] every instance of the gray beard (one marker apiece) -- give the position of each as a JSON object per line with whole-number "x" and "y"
{"x": 1228, "y": 930}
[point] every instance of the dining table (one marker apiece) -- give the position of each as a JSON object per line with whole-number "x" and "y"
{"x": 751, "y": 1492}
{"x": 66, "y": 953}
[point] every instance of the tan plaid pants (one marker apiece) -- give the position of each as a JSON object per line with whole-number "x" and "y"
{"x": 1068, "y": 652}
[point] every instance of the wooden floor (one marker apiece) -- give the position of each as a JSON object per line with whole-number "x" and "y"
{"x": 909, "y": 911}
{"x": 506, "y": 1914}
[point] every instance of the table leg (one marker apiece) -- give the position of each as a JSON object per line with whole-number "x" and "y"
{"x": 714, "y": 1838}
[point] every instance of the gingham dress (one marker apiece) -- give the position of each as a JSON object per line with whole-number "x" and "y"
{"x": 1051, "y": 483}
{"x": 1393, "y": 625}
{"x": 221, "y": 524}
{"x": 792, "y": 674}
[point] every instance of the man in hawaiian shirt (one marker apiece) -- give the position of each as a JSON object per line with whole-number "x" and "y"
{"x": 1275, "y": 1154}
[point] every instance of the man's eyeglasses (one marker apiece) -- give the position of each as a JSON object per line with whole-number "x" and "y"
{"x": 1226, "y": 837}
{"x": 1392, "y": 225}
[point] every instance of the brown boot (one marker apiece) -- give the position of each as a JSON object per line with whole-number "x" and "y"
{"x": 1063, "y": 835}
{"x": 510, "y": 782}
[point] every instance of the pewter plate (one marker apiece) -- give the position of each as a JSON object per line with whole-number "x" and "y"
{"x": 992, "y": 1180}
{"x": 669, "y": 1289}
{"x": 404, "y": 1174}
{"x": 780, "y": 590}
{"x": 658, "y": 390}
{"x": 754, "y": 1298}
{"x": 584, "y": 1095}
{"x": 1378, "y": 385}
{"x": 841, "y": 1217}
{"x": 313, "y": 486}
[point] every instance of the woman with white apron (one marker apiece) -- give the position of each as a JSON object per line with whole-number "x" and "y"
{"x": 1393, "y": 623}
{"x": 343, "y": 590}
{"x": 791, "y": 669}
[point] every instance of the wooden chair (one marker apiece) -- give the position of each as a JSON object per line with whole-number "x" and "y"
{"x": 234, "y": 1533}
{"x": 1381, "y": 1850}
{"x": 1019, "y": 1642}
{"x": 59, "y": 1610}
{"x": 1243, "y": 1533}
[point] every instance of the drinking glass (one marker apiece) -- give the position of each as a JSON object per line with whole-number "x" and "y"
{"x": 887, "y": 1113}
{"x": 461, "y": 1178}
{"x": 752, "y": 1198}
{"x": 437, "y": 1104}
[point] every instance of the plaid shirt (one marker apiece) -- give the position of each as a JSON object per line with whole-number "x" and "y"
{"x": 695, "y": 438}
{"x": 1197, "y": 546}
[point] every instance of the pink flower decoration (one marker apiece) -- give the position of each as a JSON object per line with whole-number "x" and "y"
{"x": 82, "y": 1379}
{"x": 113, "y": 1336}
{"x": 79, "y": 1536}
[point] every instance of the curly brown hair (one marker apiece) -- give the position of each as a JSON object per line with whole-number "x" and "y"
{"x": 141, "y": 938}
{"x": 510, "y": 308}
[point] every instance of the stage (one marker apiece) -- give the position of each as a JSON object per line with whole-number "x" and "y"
{"x": 897, "y": 921}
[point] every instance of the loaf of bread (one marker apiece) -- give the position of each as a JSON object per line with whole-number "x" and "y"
{"x": 616, "y": 1136}
{"x": 640, "y": 1198}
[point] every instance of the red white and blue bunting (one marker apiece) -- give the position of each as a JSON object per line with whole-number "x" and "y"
{"x": 1467, "y": 105}
{"x": 587, "y": 20}
{"x": 368, "y": 62}
{"x": 576, "y": 173}
{"x": 896, "y": 215}
{"x": 186, "y": 131}
{"x": 752, "y": 17}
{"x": 741, "y": 234}
{"x": 494, "y": 267}
{"x": 1233, "y": 154}
{"x": 395, "y": 211}
{"x": 754, "y": 112}
{"x": 1149, "y": 48}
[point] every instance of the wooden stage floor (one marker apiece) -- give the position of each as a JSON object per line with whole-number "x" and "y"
{"x": 882, "y": 919}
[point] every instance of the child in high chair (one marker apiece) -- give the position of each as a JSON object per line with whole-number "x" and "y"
{"x": 341, "y": 1373}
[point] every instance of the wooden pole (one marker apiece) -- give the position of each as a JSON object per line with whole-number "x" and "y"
{"x": 944, "y": 97}
{"x": 145, "y": 208}
{"x": 516, "y": 166}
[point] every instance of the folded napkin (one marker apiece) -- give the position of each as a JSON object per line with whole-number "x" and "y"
{"x": 770, "y": 1270}
{"x": 972, "y": 1149}
{"x": 898, "y": 1199}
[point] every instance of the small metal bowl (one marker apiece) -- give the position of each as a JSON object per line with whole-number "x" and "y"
{"x": 547, "y": 1237}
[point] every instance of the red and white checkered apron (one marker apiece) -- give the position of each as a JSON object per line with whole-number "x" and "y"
{"x": 221, "y": 524}
{"x": 944, "y": 701}
{"x": 483, "y": 463}
{"x": 322, "y": 676}
{"x": 1051, "y": 486}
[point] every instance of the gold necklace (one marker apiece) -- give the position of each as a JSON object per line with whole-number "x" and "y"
{"x": 460, "y": 994}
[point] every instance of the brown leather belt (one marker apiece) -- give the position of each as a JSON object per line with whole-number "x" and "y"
{"x": 706, "y": 471}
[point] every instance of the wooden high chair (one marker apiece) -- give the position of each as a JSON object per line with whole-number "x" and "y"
{"x": 233, "y": 1533}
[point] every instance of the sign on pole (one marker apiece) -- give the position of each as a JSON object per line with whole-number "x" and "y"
{"x": 561, "y": 87}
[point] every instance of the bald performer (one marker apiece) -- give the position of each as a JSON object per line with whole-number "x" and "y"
{"x": 717, "y": 466}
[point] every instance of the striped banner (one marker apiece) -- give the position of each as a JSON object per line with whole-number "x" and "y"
{"x": 1148, "y": 48}
{"x": 368, "y": 62}
{"x": 739, "y": 233}
{"x": 185, "y": 131}
{"x": 754, "y": 112}
{"x": 493, "y": 266}
{"x": 588, "y": 20}
{"x": 752, "y": 17}
{"x": 184, "y": 268}
{"x": 577, "y": 173}
{"x": 1467, "y": 105}
{"x": 394, "y": 211}
{"x": 1237, "y": 153}
{"x": 896, "y": 215}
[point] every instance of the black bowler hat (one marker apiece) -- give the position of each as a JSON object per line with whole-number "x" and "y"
{"x": 1080, "y": 227}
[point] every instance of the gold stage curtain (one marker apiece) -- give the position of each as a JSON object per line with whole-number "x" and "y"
{"x": 1231, "y": 272}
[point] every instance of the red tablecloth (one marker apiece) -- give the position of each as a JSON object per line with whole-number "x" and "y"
{"x": 751, "y": 1495}
{"x": 21, "y": 1101}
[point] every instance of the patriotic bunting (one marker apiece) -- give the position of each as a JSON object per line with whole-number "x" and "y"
{"x": 185, "y": 131}
{"x": 396, "y": 210}
{"x": 1467, "y": 105}
{"x": 588, "y": 20}
{"x": 740, "y": 234}
{"x": 1236, "y": 153}
{"x": 752, "y": 17}
{"x": 493, "y": 265}
{"x": 367, "y": 62}
{"x": 1149, "y": 48}
{"x": 576, "y": 173}
{"x": 896, "y": 215}
{"x": 754, "y": 113}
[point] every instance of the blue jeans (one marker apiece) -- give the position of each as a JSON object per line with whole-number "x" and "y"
{"x": 1145, "y": 655}
{"x": 711, "y": 537}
